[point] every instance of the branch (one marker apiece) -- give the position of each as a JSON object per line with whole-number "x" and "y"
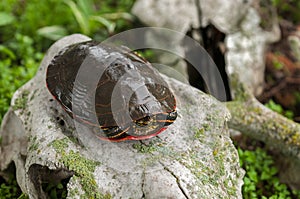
{"x": 257, "y": 121}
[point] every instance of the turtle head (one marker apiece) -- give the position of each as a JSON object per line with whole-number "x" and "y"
{"x": 150, "y": 126}
{"x": 144, "y": 128}
{"x": 150, "y": 112}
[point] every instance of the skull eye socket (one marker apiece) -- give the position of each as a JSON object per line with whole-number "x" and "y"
{"x": 144, "y": 121}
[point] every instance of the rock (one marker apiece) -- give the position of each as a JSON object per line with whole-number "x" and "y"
{"x": 246, "y": 51}
{"x": 193, "y": 158}
{"x": 224, "y": 16}
{"x": 173, "y": 14}
{"x": 245, "y": 40}
{"x": 182, "y": 16}
{"x": 294, "y": 43}
{"x": 153, "y": 13}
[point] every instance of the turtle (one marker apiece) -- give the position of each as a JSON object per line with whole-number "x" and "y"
{"x": 111, "y": 90}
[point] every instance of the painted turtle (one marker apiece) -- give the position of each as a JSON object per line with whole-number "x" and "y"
{"x": 126, "y": 100}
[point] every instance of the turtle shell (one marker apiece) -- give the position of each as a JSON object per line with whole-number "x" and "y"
{"x": 112, "y": 90}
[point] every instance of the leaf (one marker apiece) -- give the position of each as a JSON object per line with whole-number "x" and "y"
{"x": 275, "y": 107}
{"x": 265, "y": 176}
{"x": 85, "y": 6}
{"x": 252, "y": 175}
{"x": 52, "y": 32}
{"x": 110, "y": 26}
{"x": 119, "y": 15}
{"x": 81, "y": 18}
{"x": 7, "y": 51}
{"x": 289, "y": 114}
{"x": 6, "y": 18}
{"x": 59, "y": 186}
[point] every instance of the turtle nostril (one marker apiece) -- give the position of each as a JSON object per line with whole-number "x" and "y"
{"x": 144, "y": 121}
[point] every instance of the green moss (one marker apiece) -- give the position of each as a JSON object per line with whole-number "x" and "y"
{"x": 206, "y": 127}
{"x": 228, "y": 183}
{"x": 238, "y": 111}
{"x": 74, "y": 161}
{"x": 206, "y": 174}
{"x": 288, "y": 135}
{"x": 34, "y": 144}
{"x": 158, "y": 149}
{"x": 252, "y": 116}
{"x": 82, "y": 167}
{"x": 295, "y": 138}
{"x": 199, "y": 133}
{"x": 60, "y": 145}
{"x": 74, "y": 192}
{"x": 150, "y": 148}
{"x": 142, "y": 148}
{"x": 33, "y": 95}
{"x": 241, "y": 92}
{"x": 21, "y": 102}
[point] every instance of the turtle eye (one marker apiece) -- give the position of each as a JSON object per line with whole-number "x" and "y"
{"x": 144, "y": 121}
{"x": 172, "y": 115}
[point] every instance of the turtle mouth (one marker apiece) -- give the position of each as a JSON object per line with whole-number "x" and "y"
{"x": 166, "y": 118}
{"x": 149, "y": 125}
{"x": 163, "y": 118}
{"x": 144, "y": 128}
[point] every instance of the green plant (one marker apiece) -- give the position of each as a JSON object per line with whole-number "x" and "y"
{"x": 55, "y": 190}
{"x": 10, "y": 190}
{"x": 297, "y": 96}
{"x": 288, "y": 8}
{"x": 28, "y": 28}
{"x": 18, "y": 63}
{"x": 24, "y": 17}
{"x": 278, "y": 108}
{"x": 261, "y": 179}
{"x": 89, "y": 19}
{"x": 278, "y": 65}
{"x": 6, "y": 18}
{"x": 95, "y": 18}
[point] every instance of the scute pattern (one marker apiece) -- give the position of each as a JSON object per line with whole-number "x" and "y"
{"x": 112, "y": 89}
